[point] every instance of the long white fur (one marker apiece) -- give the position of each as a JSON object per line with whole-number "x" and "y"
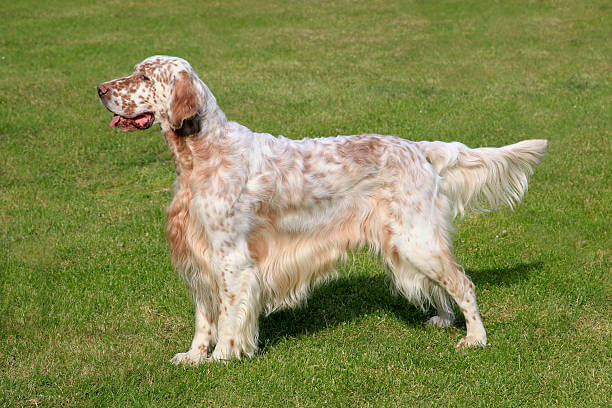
{"x": 497, "y": 175}
{"x": 258, "y": 220}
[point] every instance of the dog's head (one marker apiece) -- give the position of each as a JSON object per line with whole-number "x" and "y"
{"x": 161, "y": 90}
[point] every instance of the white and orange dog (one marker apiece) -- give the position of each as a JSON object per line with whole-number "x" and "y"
{"x": 256, "y": 220}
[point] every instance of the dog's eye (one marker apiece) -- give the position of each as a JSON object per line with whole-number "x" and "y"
{"x": 144, "y": 77}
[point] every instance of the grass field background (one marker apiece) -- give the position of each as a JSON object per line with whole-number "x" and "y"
{"x": 90, "y": 308}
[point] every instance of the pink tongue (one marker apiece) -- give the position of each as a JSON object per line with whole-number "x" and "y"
{"x": 114, "y": 121}
{"x": 142, "y": 119}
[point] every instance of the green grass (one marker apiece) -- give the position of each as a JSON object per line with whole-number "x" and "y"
{"x": 90, "y": 308}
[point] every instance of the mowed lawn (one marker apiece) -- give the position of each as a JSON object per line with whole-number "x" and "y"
{"x": 91, "y": 310}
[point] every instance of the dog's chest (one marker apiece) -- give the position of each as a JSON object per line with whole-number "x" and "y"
{"x": 188, "y": 242}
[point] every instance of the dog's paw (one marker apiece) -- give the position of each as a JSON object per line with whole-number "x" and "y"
{"x": 438, "y": 321}
{"x": 471, "y": 342}
{"x": 188, "y": 358}
{"x": 222, "y": 356}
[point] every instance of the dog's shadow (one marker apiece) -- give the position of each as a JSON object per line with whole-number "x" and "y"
{"x": 350, "y": 297}
{"x": 504, "y": 276}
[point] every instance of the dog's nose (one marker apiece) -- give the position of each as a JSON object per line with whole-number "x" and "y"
{"x": 102, "y": 89}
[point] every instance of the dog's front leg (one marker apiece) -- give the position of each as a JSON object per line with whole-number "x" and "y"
{"x": 225, "y": 214}
{"x": 204, "y": 339}
{"x": 239, "y": 305}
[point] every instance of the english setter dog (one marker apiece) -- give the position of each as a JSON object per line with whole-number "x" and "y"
{"x": 257, "y": 220}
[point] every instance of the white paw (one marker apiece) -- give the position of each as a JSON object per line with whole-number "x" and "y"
{"x": 222, "y": 356}
{"x": 471, "y": 342}
{"x": 438, "y": 321}
{"x": 188, "y": 358}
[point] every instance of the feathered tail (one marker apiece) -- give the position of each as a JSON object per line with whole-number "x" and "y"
{"x": 496, "y": 175}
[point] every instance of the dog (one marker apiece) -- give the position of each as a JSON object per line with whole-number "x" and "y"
{"x": 257, "y": 221}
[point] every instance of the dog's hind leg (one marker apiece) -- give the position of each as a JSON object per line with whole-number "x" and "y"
{"x": 424, "y": 269}
{"x": 440, "y": 300}
{"x": 420, "y": 290}
{"x": 440, "y": 274}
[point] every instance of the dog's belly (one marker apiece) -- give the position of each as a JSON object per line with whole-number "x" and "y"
{"x": 291, "y": 263}
{"x": 300, "y": 249}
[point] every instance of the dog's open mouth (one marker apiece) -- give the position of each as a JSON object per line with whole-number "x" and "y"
{"x": 140, "y": 122}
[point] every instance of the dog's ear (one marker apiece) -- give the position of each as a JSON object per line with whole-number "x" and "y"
{"x": 183, "y": 100}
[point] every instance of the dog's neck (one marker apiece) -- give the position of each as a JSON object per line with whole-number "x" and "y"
{"x": 191, "y": 144}
{"x": 203, "y": 138}
{"x": 211, "y": 117}
{"x": 183, "y": 162}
